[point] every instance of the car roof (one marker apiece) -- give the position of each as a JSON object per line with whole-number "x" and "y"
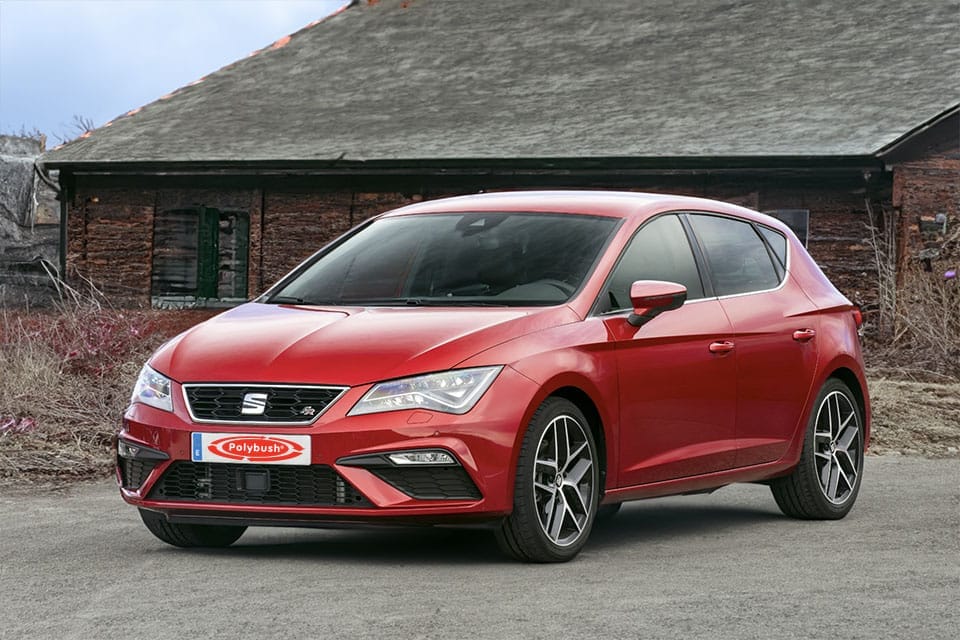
{"x": 614, "y": 204}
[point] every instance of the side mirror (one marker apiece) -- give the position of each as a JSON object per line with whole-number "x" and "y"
{"x": 650, "y": 298}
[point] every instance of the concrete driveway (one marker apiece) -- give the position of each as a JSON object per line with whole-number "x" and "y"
{"x": 80, "y": 565}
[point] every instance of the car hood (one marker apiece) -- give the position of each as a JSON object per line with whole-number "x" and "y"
{"x": 343, "y": 346}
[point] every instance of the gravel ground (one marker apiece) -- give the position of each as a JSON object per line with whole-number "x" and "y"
{"x": 915, "y": 418}
{"x": 79, "y": 564}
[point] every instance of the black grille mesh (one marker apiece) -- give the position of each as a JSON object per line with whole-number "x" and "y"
{"x": 283, "y": 404}
{"x": 430, "y": 483}
{"x": 134, "y": 472}
{"x": 314, "y": 485}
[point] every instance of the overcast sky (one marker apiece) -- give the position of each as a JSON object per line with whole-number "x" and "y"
{"x": 101, "y": 58}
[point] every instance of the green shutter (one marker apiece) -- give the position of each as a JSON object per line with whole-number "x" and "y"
{"x": 208, "y": 253}
{"x": 240, "y": 259}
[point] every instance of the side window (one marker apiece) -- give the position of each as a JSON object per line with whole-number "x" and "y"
{"x": 738, "y": 258}
{"x": 659, "y": 251}
{"x": 777, "y": 242}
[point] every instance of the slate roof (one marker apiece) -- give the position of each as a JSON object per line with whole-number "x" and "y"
{"x": 462, "y": 79}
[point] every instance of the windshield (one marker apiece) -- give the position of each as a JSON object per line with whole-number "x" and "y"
{"x": 501, "y": 259}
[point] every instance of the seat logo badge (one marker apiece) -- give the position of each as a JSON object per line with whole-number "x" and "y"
{"x": 254, "y": 404}
{"x": 307, "y": 411}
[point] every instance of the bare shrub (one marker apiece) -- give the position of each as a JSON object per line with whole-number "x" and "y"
{"x": 65, "y": 380}
{"x": 916, "y": 326}
{"x": 929, "y": 316}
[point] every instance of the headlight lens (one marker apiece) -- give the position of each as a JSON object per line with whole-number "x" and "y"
{"x": 153, "y": 389}
{"x": 455, "y": 391}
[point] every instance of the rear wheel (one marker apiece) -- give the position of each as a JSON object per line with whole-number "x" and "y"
{"x": 556, "y": 490}
{"x": 825, "y": 483}
{"x": 190, "y": 535}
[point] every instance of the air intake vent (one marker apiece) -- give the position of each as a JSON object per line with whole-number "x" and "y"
{"x": 308, "y": 486}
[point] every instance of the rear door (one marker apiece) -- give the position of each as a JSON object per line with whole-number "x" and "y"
{"x": 677, "y": 397}
{"x": 774, "y": 327}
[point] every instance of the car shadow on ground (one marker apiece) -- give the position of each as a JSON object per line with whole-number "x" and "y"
{"x": 647, "y": 523}
{"x": 635, "y": 524}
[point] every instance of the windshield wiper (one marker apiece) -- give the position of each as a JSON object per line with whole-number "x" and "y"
{"x": 295, "y": 300}
{"x": 454, "y": 302}
{"x": 285, "y": 300}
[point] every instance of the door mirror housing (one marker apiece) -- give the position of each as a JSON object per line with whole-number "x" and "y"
{"x": 650, "y": 298}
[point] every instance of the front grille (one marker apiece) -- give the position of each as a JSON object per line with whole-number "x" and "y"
{"x": 430, "y": 483}
{"x": 269, "y": 404}
{"x": 133, "y": 472}
{"x": 315, "y": 485}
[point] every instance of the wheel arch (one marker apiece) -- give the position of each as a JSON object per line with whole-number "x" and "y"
{"x": 844, "y": 368}
{"x": 858, "y": 387}
{"x": 585, "y": 403}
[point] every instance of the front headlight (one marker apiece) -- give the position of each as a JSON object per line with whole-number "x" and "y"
{"x": 153, "y": 389}
{"x": 455, "y": 391}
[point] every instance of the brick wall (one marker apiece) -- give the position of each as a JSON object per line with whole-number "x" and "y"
{"x": 838, "y": 234}
{"x": 922, "y": 188}
{"x": 110, "y": 241}
{"x": 110, "y": 230}
{"x": 295, "y": 224}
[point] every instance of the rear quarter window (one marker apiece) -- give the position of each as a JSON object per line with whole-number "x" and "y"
{"x": 737, "y": 256}
{"x": 777, "y": 242}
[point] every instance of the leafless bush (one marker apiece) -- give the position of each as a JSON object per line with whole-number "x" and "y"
{"x": 917, "y": 322}
{"x": 65, "y": 376}
{"x": 929, "y": 321}
{"x": 883, "y": 242}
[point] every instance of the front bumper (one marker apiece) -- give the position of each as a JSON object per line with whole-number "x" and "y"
{"x": 483, "y": 441}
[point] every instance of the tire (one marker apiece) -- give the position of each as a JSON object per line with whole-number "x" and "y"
{"x": 556, "y": 488}
{"x": 825, "y": 483}
{"x": 190, "y": 535}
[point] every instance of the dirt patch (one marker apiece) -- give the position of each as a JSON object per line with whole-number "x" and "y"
{"x": 915, "y": 417}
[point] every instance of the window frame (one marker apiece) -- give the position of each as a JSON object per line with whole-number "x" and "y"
{"x": 771, "y": 255}
{"x": 206, "y": 256}
{"x": 695, "y": 250}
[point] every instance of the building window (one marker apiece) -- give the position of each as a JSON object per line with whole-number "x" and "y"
{"x": 200, "y": 253}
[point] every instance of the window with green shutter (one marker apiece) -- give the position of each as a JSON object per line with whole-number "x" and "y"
{"x": 200, "y": 253}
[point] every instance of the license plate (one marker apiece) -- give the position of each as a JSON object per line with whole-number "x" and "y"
{"x": 250, "y": 449}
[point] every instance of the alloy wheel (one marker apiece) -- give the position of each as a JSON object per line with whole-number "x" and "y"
{"x": 563, "y": 480}
{"x": 837, "y": 447}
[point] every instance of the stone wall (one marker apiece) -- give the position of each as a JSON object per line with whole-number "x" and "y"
{"x": 29, "y": 226}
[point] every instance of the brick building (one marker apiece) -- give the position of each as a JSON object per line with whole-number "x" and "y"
{"x": 820, "y": 112}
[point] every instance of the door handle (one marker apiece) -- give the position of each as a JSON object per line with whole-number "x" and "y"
{"x": 721, "y": 347}
{"x": 803, "y": 335}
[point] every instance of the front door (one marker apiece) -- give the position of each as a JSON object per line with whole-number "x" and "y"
{"x": 677, "y": 396}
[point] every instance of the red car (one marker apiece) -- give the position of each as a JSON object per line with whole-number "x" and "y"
{"x": 524, "y": 360}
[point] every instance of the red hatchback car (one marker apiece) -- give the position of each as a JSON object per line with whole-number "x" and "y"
{"x": 527, "y": 360}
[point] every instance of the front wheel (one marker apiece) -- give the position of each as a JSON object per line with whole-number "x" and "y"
{"x": 556, "y": 490}
{"x": 190, "y": 535}
{"x": 825, "y": 483}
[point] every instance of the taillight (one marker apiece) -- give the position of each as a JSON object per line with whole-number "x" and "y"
{"x": 858, "y": 317}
